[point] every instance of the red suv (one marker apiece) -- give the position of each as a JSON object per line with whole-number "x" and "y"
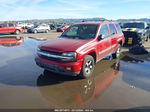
{"x": 10, "y": 28}
{"x": 80, "y": 47}
{"x": 62, "y": 28}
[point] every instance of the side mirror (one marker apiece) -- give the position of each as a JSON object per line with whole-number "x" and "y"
{"x": 100, "y": 37}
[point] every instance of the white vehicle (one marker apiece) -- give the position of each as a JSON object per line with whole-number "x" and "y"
{"x": 22, "y": 25}
{"x": 39, "y": 29}
{"x": 29, "y": 25}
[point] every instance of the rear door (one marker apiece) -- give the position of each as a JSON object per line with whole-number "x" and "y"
{"x": 11, "y": 27}
{"x": 42, "y": 28}
{"x": 113, "y": 37}
{"x": 104, "y": 45}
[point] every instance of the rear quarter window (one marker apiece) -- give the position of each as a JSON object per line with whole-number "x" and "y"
{"x": 112, "y": 29}
{"x": 118, "y": 28}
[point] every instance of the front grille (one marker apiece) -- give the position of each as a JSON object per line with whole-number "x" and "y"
{"x": 50, "y": 58}
{"x": 52, "y": 53}
{"x": 131, "y": 38}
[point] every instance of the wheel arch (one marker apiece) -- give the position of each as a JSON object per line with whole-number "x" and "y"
{"x": 93, "y": 54}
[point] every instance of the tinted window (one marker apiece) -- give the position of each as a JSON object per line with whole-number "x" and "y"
{"x": 118, "y": 28}
{"x": 104, "y": 31}
{"x": 4, "y": 25}
{"x": 112, "y": 29}
{"x": 10, "y": 25}
{"x": 81, "y": 31}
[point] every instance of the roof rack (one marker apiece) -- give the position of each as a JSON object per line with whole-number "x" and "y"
{"x": 97, "y": 21}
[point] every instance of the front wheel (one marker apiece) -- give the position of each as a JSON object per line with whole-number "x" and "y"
{"x": 117, "y": 53}
{"x": 87, "y": 67}
{"x": 35, "y": 31}
{"x": 146, "y": 38}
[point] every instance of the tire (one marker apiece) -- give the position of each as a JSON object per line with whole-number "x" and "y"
{"x": 35, "y": 31}
{"x": 17, "y": 32}
{"x": 117, "y": 53}
{"x": 87, "y": 67}
{"x": 46, "y": 31}
{"x": 146, "y": 38}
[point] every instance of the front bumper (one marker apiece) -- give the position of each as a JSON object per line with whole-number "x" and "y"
{"x": 60, "y": 67}
{"x": 132, "y": 38}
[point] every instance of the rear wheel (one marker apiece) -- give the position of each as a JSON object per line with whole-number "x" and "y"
{"x": 117, "y": 53}
{"x": 87, "y": 67}
{"x": 17, "y": 32}
{"x": 46, "y": 31}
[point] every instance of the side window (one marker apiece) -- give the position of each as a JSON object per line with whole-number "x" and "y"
{"x": 118, "y": 28}
{"x": 5, "y": 25}
{"x": 112, "y": 29}
{"x": 104, "y": 31}
{"x": 10, "y": 25}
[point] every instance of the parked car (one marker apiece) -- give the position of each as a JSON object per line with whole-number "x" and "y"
{"x": 22, "y": 25}
{"x": 11, "y": 41}
{"x": 29, "y": 25}
{"x": 58, "y": 25}
{"x": 62, "y": 28}
{"x": 136, "y": 33}
{"x": 52, "y": 26}
{"x": 10, "y": 28}
{"x": 39, "y": 28}
{"x": 80, "y": 47}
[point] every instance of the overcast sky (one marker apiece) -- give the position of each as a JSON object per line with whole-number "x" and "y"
{"x": 52, "y": 9}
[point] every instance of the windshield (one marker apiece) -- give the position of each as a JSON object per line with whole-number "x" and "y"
{"x": 81, "y": 31}
{"x": 134, "y": 25}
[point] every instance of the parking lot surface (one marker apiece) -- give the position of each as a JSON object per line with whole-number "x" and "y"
{"x": 115, "y": 84}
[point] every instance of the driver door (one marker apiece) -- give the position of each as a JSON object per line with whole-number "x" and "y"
{"x": 104, "y": 45}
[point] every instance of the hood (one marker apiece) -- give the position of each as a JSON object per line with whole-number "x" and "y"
{"x": 63, "y": 44}
{"x": 133, "y": 30}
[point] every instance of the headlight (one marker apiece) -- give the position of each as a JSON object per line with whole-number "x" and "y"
{"x": 69, "y": 56}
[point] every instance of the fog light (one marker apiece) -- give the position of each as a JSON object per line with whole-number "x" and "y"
{"x": 68, "y": 68}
